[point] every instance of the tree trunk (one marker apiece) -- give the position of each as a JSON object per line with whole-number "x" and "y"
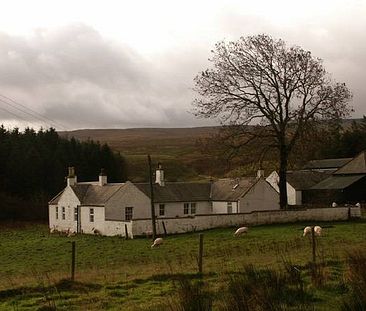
{"x": 282, "y": 174}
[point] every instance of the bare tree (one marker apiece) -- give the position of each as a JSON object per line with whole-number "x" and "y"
{"x": 259, "y": 80}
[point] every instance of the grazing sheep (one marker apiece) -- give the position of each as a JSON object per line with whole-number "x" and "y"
{"x": 318, "y": 230}
{"x": 241, "y": 231}
{"x": 157, "y": 242}
{"x": 71, "y": 233}
{"x": 334, "y": 204}
{"x": 306, "y": 231}
{"x": 358, "y": 205}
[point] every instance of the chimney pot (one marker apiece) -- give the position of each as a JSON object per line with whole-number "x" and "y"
{"x": 159, "y": 175}
{"x": 71, "y": 178}
{"x": 102, "y": 178}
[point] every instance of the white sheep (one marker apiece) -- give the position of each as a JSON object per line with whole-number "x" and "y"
{"x": 241, "y": 231}
{"x": 318, "y": 230}
{"x": 358, "y": 205}
{"x": 334, "y": 204}
{"x": 157, "y": 242}
{"x": 307, "y": 230}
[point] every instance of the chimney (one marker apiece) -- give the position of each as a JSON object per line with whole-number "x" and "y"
{"x": 159, "y": 175}
{"x": 71, "y": 178}
{"x": 102, "y": 178}
{"x": 260, "y": 173}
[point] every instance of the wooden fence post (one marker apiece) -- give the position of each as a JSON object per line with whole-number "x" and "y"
{"x": 126, "y": 232}
{"x": 200, "y": 253}
{"x": 73, "y": 261}
{"x": 313, "y": 244}
{"x": 164, "y": 228}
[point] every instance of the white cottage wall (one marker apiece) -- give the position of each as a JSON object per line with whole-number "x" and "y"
{"x": 220, "y": 207}
{"x": 128, "y": 196}
{"x": 69, "y": 201}
{"x": 88, "y": 226}
{"x": 176, "y": 209}
{"x": 261, "y": 197}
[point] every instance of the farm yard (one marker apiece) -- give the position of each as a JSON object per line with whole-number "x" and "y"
{"x": 117, "y": 274}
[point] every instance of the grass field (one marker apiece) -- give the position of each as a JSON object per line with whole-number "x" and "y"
{"x": 116, "y": 274}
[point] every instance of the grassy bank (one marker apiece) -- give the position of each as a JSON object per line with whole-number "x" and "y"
{"x": 113, "y": 273}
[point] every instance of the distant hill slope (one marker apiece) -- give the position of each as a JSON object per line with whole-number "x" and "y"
{"x": 176, "y": 148}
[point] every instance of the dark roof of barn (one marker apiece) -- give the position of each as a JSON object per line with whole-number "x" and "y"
{"x": 302, "y": 180}
{"x": 327, "y": 163}
{"x": 356, "y": 166}
{"x": 177, "y": 191}
{"x": 337, "y": 182}
{"x": 231, "y": 189}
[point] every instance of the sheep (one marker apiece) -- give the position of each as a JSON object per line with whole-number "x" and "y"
{"x": 307, "y": 230}
{"x": 334, "y": 204}
{"x": 358, "y": 205}
{"x": 157, "y": 242}
{"x": 318, "y": 230}
{"x": 241, "y": 231}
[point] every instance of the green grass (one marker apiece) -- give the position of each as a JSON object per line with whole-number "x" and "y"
{"x": 112, "y": 272}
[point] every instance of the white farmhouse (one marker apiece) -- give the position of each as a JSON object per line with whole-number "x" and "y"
{"x": 111, "y": 208}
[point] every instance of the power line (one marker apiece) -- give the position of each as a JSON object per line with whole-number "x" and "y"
{"x": 32, "y": 112}
{"x": 13, "y": 114}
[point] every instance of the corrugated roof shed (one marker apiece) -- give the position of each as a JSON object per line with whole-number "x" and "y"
{"x": 231, "y": 189}
{"x": 302, "y": 180}
{"x": 177, "y": 191}
{"x": 356, "y": 166}
{"x": 327, "y": 163}
{"x": 337, "y": 182}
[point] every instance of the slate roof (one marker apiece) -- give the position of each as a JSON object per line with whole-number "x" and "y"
{"x": 91, "y": 194}
{"x": 302, "y": 180}
{"x": 231, "y": 189}
{"x": 337, "y": 182}
{"x": 177, "y": 191}
{"x": 327, "y": 163}
{"x": 356, "y": 166}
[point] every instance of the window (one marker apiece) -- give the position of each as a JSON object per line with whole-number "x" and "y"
{"x": 189, "y": 208}
{"x": 76, "y": 214}
{"x": 186, "y": 208}
{"x": 128, "y": 213}
{"x": 56, "y": 212}
{"x": 91, "y": 214}
{"x": 63, "y": 213}
{"x": 229, "y": 207}
{"x": 193, "y": 208}
{"x": 161, "y": 209}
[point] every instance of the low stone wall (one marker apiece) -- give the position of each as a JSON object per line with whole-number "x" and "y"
{"x": 112, "y": 228}
{"x": 203, "y": 222}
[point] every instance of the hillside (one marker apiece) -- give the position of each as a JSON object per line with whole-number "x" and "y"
{"x": 176, "y": 148}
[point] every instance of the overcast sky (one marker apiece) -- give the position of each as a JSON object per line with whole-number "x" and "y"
{"x": 119, "y": 64}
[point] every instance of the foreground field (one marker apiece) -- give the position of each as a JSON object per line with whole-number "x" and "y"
{"x": 116, "y": 274}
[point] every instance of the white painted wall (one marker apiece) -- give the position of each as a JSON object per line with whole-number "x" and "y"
{"x": 203, "y": 222}
{"x": 261, "y": 197}
{"x": 176, "y": 209}
{"x": 69, "y": 200}
{"x": 220, "y": 207}
{"x": 99, "y": 219}
{"x": 294, "y": 196}
{"x": 129, "y": 196}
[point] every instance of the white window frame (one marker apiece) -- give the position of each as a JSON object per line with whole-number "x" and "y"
{"x": 189, "y": 208}
{"x": 193, "y": 208}
{"x": 76, "y": 212}
{"x": 161, "y": 209}
{"x": 186, "y": 208}
{"x": 91, "y": 214}
{"x": 229, "y": 207}
{"x": 128, "y": 213}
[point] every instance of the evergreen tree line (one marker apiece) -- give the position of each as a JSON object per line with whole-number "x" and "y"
{"x": 33, "y": 167}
